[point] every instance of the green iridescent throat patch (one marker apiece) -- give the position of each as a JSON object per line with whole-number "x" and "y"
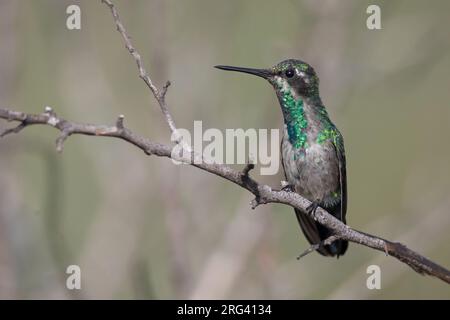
{"x": 295, "y": 119}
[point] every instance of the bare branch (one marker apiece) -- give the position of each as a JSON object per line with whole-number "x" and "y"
{"x": 68, "y": 128}
{"x": 263, "y": 193}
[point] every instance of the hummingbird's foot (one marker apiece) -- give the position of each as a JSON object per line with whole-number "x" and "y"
{"x": 311, "y": 209}
{"x": 285, "y": 186}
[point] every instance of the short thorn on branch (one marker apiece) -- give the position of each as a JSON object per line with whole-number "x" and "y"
{"x": 248, "y": 167}
{"x": 49, "y": 110}
{"x": 119, "y": 122}
{"x": 162, "y": 94}
{"x": 60, "y": 141}
{"x": 256, "y": 202}
{"x": 15, "y": 129}
{"x": 316, "y": 246}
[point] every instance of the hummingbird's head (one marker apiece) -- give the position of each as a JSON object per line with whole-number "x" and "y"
{"x": 291, "y": 75}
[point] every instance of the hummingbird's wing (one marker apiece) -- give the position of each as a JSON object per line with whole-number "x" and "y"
{"x": 338, "y": 247}
{"x": 340, "y": 152}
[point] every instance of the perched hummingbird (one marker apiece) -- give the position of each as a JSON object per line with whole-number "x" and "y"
{"x": 312, "y": 148}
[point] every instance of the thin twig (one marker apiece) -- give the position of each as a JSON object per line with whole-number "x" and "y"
{"x": 160, "y": 96}
{"x": 316, "y": 246}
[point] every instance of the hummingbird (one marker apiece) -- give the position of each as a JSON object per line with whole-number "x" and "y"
{"x": 312, "y": 148}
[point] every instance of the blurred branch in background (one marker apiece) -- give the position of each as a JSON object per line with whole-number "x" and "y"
{"x": 114, "y": 243}
{"x": 8, "y": 10}
{"x": 175, "y": 217}
{"x": 8, "y": 212}
{"x": 227, "y": 261}
{"x": 54, "y": 204}
{"x": 263, "y": 193}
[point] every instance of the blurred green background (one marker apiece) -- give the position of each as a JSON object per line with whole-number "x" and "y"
{"x": 140, "y": 227}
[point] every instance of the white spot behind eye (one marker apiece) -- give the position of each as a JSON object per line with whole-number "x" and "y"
{"x": 302, "y": 75}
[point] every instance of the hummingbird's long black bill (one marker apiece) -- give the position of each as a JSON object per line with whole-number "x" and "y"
{"x": 263, "y": 73}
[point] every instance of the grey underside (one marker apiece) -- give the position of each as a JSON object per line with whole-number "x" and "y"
{"x": 316, "y": 174}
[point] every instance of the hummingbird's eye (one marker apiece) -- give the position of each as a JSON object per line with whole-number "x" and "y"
{"x": 289, "y": 73}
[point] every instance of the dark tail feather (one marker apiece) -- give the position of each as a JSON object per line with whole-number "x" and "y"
{"x": 315, "y": 233}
